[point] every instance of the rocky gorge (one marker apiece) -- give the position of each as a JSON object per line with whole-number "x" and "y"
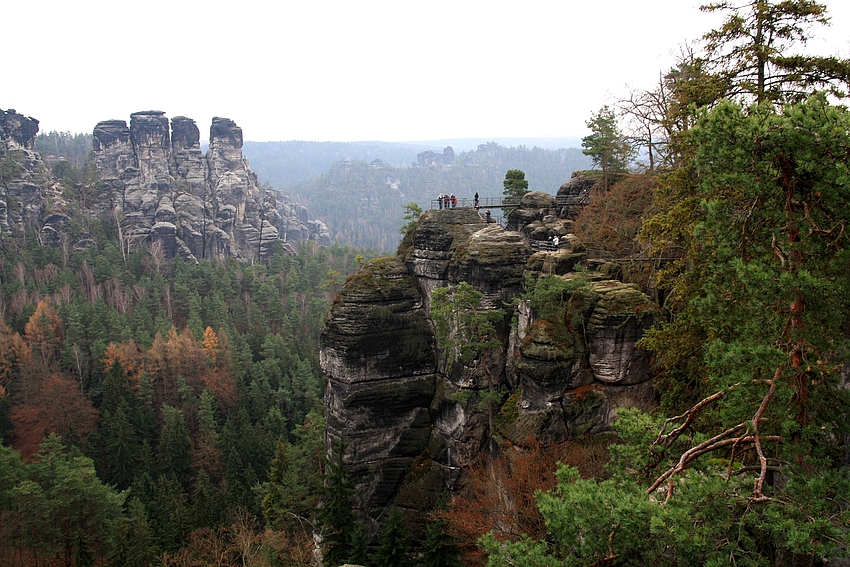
{"x": 411, "y": 419}
{"x": 157, "y": 186}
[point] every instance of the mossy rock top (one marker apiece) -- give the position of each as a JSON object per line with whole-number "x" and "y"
{"x": 381, "y": 279}
{"x": 618, "y": 299}
{"x": 493, "y": 245}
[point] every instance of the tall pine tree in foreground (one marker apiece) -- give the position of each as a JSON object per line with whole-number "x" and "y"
{"x": 342, "y": 537}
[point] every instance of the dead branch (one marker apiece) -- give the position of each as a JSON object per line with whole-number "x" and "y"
{"x": 693, "y": 453}
{"x": 713, "y": 444}
{"x": 750, "y": 212}
{"x": 743, "y": 470}
{"x": 759, "y": 483}
{"x": 732, "y": 459}
{"x": 666, "y": 440}
{"x": 778, "y": 251}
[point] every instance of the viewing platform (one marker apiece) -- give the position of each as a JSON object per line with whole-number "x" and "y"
{"x": 511, "y": 202}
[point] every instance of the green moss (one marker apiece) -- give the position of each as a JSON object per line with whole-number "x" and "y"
{"x": 509, "y": 411}
{"x": 620, "y": 300}
{"x": 582, "y": 409}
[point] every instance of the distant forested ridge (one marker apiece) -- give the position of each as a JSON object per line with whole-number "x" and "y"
{"x": 361, "y": 199}
{"x": 283, "y": 164}
{"x": 64, "y": 146}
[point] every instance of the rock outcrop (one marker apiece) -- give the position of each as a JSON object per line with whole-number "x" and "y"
{"x": 28, "y": 195}
{"x": 537, "y": 218}
{"x": 413, "y": 419}
{"x": 196, "y": 205}
{"x": 429, "y": 158}
{"x": 158, "y": 185}
{"x": 378, "y": 351}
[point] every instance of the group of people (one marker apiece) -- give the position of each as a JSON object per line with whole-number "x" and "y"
{"x": 450, "y": 201}
{"x": 447, "y": 201}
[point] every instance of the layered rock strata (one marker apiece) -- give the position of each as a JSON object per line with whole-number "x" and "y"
{"x": 397, "y": 400}
{"x": 196, "y": 205}
{"x": 158, "y": 186}
{"x": 27, "y": 194}
{"x": 378, "y": 352}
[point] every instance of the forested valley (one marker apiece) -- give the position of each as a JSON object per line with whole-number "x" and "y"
{"x": 144, "y": 403}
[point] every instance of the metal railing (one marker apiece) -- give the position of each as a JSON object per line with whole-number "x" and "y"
{"x": 483, "y": 203}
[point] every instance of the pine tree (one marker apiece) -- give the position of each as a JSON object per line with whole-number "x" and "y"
{"x": 122, "y": 449}
{"x": 335, "y": 516}
{"x": 393, "y": 543}
{"x": 440, "y": 548}
{"x": 282, "y": 489}
{"x": 175, "y": 449}
{"x": 606, "y": 145}
{"x": 134, "y": 545}
{"x": 205, "y": 503}
{"x": 515, "y": 184}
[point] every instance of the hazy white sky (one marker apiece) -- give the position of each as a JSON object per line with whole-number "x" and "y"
{"x": 348, "y": 70}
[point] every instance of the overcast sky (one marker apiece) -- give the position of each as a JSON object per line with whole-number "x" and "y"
{"x": 346, "y": 70}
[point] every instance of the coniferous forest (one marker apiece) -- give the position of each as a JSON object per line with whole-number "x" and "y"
{"x": 145, "y": 405}
{"x": 161, "y": 412}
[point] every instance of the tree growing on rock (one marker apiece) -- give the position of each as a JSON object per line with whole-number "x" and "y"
{"x": 412, "y": 212}
{"x": 515, "y": 184}
{"x": 465, "y": 330}
{"x": 607, "y": 147}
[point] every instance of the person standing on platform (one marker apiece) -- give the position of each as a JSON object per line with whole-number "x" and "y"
{"x": 475, "y": 200}
{"x": 454, "y": 201}
{"x": 440, "y": 200}
{"x": 487, "y": 214}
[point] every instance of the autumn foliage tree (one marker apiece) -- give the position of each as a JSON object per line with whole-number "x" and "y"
{"x": 611, "y": 221}
{"x": 59, "y": 408}
{"x": 501, "y": 497}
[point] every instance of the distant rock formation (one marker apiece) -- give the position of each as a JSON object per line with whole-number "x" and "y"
{"x": 402, "y": 408}
{"x": 196, "y": 205}
{"x": 429, "y": 158}
{"x": 24, "y": 179}
{"x": 158, "y": 187}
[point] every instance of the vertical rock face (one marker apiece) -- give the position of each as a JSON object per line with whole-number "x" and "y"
{"x": 394, "y": 397}
{"x": 17, "y": 132}
{"x": 378, "y": 352}
{"x": 195, "y": 205}
{"x": 159, "y": 186}
{"x": 581, "y": 373}
{"x": 24, "y": 188}
{"x": 236, "y": 192}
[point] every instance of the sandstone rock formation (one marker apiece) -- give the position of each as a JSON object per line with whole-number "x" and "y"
{"x": 158, "y": 186}
{"x": 378, "y": 350}
{"x": 537, "y": 217}
{"x": 27, "y": 191}
{"x": 429, "y": 158}
{"x": 398, "y": 401}
{"x": 196, "y": 205}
